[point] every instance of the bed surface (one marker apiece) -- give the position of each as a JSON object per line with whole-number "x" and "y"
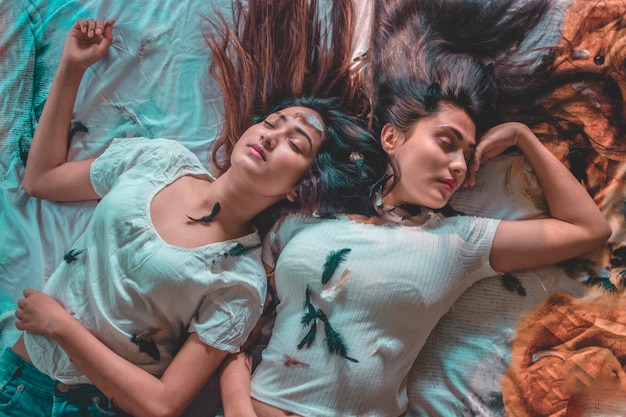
{"x": 526, "y": 344}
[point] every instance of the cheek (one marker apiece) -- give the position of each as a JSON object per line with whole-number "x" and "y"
{"x": 411, "y": 162}
{"x": 292, "y": 170}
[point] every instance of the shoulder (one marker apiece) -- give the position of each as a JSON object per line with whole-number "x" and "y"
{"x": 473, "y": 229}
{"x": 147, "y": 146}
{"x": 155, "y": 154}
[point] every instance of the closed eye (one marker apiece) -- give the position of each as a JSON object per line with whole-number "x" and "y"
{"x": 294, "y": 146}
{"x": 446, "y": 143}
{"x": 268, "y": 124}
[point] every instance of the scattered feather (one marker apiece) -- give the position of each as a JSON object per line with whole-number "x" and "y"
{"x": 334, "y": 341}
{"x": 329, "y": 294}
{"x": 291, "y": 361}
{"x": 146, "y": 344}
{"x": 332, "y": 262}
{"x": 513, "y": 284}
{"x": 76, "y": 126}
{"x": 234, "y": 249}
{"x": 603, "y": 283}
{"x": 72, "y": 255}
{"x": 388, "y": 347}
{"x": 309, "y": 337}
{"x": 210, "y": 217}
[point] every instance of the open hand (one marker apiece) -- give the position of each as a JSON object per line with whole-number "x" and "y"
{"x": 38, "y": 313}
{"x": 87, "y": 42}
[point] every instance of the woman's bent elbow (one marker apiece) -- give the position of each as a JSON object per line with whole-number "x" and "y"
{"x": 598, "y": 235}
{"x": 604, "y": 233}
{"x": 31, "y": 187}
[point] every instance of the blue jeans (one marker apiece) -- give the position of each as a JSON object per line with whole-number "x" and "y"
{"x": 25, "y": 391}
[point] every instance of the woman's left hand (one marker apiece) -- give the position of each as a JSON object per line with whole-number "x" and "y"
{"x": 39, "y": 313}
{"x": 495, "y": 141}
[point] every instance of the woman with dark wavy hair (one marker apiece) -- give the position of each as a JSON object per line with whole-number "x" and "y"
{"x": 357, "y": 296}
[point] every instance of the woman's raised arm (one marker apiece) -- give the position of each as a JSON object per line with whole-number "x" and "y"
{"x": 576, "y": 225}
{"x": 48, "y": 175}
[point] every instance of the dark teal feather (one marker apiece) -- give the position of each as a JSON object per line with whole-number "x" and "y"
{"x": 332, "y": 262}
{"x": 334, "y": 341}
{"x": 239, "y": 250}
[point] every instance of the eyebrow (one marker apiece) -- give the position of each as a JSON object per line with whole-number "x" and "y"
{"x": 298, "y": 129}
{"x": 458, "y": 135}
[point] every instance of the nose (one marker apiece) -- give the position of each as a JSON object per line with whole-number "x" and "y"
{"x": 268, "y": 140}
{"x": 458, "y": 166}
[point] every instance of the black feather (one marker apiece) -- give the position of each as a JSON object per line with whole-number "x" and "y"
{"x": 513, "y": 284}
{"x": 72, "y": 255}
{"x": 146, "y": 345}
{"x": 603, "y": 283}
{"x": 76, "y": 126}
{"x": 210, "y": 217}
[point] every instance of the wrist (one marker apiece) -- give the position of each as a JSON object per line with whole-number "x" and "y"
{"x": 60, "y": 324}
{"x": 70, "y": 71}
{"x": 239, "y": 410}
{"x": 525, "y": 137}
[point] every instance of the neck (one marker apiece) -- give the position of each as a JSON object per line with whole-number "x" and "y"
{"x": 239, "y": 204}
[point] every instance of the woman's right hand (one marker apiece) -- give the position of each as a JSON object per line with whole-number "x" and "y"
{"x": 39, "y": 313}
{"x": 87, "y": 42}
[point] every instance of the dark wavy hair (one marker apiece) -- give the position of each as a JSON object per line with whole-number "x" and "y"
{"x": 470, "y": 54}
{"x": 481, "y": 53}
{"x": 455, "y": 79}
{"x": 350, "y": 161}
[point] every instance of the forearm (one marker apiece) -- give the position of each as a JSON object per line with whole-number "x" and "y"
{"x": 235, "y": 386}
{"x": 566, "y": 198}
{"x": 131, "y": 388}
{"x": 112, "y": 374}
{"x": 49, "y": 145}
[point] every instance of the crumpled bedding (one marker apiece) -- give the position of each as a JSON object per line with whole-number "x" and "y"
{"x": 155, "y": 83}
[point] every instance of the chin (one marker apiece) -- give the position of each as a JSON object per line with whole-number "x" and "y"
{"x": 437, "y": 204}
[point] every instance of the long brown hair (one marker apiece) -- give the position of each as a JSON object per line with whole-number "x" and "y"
{"x": 277, "y": 49}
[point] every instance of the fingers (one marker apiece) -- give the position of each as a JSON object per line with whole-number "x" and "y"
{"x": 95, "y": 27}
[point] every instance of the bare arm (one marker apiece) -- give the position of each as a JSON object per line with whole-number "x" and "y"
{"x": 576, "y": 225}
{"x": 130, "y": 387}
{"x": 235, "y": 374}
{"x": 48, "y": 175}
{"x": 235, "y": 386}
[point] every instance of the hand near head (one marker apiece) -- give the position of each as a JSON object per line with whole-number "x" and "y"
{"x": 495, "y": 141}
{"x": 38, "y": 313}
{"x": 87, "y": 42}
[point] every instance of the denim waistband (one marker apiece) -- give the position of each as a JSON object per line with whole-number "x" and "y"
{"x": 12, "y": 363}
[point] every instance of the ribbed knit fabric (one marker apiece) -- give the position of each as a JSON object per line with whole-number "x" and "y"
{"x": 398, "y": 280}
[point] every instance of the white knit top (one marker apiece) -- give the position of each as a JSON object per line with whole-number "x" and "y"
{"x": 391, "y": 286}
